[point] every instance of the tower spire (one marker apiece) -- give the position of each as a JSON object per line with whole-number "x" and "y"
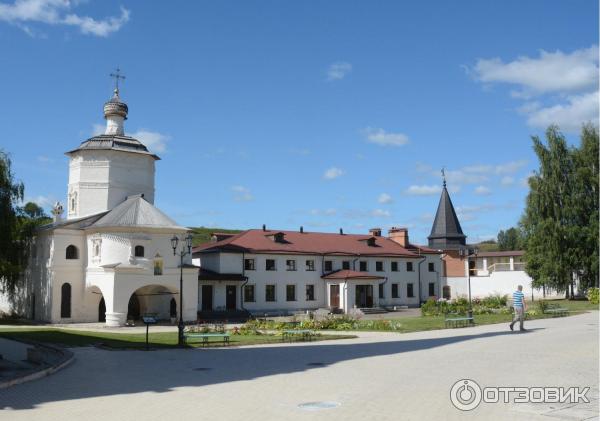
{"x": 443, "y": 177}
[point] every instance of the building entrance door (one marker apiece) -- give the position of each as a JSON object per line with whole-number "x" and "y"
{"x": 231, "y": 297}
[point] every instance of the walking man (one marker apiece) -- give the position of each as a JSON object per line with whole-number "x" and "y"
{"x": 520, "y": 307}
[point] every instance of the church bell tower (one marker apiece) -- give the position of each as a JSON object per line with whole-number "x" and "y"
{"x": 107, "y": 168}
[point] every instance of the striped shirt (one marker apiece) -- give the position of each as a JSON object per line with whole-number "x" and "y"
{"x": 518, "y": 298}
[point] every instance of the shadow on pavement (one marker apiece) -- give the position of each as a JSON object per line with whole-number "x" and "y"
{"x": 104, "y": 373}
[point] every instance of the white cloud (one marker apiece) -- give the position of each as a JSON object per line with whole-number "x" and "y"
{"x": 338, "y": 70}
{"x": 241, "y": 194}
{"x": 98, "y": 129}
{"x": 423, "y": 190}
{"x": 383, "y": 138}
{"x": 482, "y": 190}
{"x": 154, "y": 141}
{"x": 44, "y": 158}
{"x": 510, "y": 167}
{"x": 422, "y": 168}
{"x": 332, "y": 173}
{"x": 560, "y": 88}
{"x": 381, "y": 213}
{"x": 323, "y": 212}
{"x": 507, "y": 181}
{"x": 385, "y": 199}
{"x": 550, "y": 72}
{"x": 569, "y": 116}
{"x": 300, "y": 151}
{"x": 56, "y": 12}
{"x": 41, "y": 200}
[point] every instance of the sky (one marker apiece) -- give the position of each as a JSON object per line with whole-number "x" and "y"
{"x": 321, "y": 114}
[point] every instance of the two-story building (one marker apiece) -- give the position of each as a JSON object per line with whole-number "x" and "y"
{"x": 271, "y": 271}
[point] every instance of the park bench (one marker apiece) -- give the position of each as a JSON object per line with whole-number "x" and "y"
{"x": 303, "y": 334}
{"x": 458, "y": 321}
{"x": 206, "y": 336}
{"x": 556, "y": 311}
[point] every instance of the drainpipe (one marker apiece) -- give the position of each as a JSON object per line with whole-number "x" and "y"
{"x": 419, "y": 275}
{"x": 244, "y": 283}
{"x": 354, "y": 262}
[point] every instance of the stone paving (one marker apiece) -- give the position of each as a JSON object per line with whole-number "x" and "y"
{"x": 382, "y": 376}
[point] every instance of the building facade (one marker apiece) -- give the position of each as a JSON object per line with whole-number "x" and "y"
{"x": 269, "y": 271}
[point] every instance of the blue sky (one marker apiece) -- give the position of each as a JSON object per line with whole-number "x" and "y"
{"x": 322, "y": 114}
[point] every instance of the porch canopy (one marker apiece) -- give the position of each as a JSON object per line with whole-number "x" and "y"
{"x": 342, "y": 275}
{"x": 209, "y": 275}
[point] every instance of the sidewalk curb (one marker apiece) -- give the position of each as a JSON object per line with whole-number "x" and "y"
{"x": 68, "y": 358}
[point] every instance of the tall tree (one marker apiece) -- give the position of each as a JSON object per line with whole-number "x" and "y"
{"x": 11, "y": 248}
{"x": 557, "y": 217}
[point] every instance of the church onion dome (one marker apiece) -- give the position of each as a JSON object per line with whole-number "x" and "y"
{"x": 115, "y": 106}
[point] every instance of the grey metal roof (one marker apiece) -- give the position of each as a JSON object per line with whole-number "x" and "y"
{"x": 446, "y": 232}
{"x": 114, "y": 142}
{"x": 136, "y": 212}
{"x": 75, "y": 223}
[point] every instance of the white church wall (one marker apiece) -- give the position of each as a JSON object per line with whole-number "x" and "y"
{"x": 100, "y": 180}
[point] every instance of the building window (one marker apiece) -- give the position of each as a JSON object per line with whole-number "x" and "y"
{"x": 270, "y": 264}
{"x": 270, "y": 293}
{"x": 158, "y": 265}
{"x": 379, "y": 266}
{"x": 249, "y": 293}
{"x": 431, "y": 289}
{"x": 409, "y": 266}
{"x": 65, "y": 301}
{"x": 328, "y": 266}
{"x": 72, "y": 253}
{"x": 363, "y": 265}
{"x": 346, "y": 265}
{"x": 173, "y": 308}
{"x": 248, "y": 264}
{"x": 290, "y": 292}
{"x": 290, "y": 265}
{"x": 431, "y": 267}
{"x": 310, "y": 293}
{"x": 394, "y": 290}
{"x": 409, "y": 290}
{"x": 310, "y": 265}
{"x": 381, "y": 291}
{"x": 96, "y": 248}
{"x": 139, "y": 251}
{"x": 394, "y": 266}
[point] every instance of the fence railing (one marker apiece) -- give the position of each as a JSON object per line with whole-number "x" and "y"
{"x": 505, "y": 267}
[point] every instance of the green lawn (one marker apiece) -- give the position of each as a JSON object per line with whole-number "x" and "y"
{"x": 75, "y": 338}
{"x": 420, "y": 323}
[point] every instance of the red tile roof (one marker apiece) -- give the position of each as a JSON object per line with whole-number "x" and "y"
{"x": 350, "y": 274}
{"x": 259, "y": 241}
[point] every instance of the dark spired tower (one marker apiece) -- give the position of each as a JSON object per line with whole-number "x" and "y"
{"x": 446, "y": 233}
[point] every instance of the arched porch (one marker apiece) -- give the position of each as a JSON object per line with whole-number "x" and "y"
{"x": 158, "y": 301}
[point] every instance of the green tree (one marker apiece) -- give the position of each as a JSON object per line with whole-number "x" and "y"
{"x": 12, "y": 258}
{"x": 511, "y": 239}
{"x": 17, "y": 226}
{"x": 557, "y": 218}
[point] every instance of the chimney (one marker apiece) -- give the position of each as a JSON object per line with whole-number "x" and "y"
{"x": 341, "y": 231}
{"x": 264, "y": 227}
{"x": 399, "y": 235}
{"x": 301, "y": 230}
{"x": 375, "y": 232}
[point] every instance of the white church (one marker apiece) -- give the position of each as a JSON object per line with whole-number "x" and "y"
{"x": 110, "y": 258}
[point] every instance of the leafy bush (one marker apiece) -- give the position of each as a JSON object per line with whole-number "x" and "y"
{"x": 593, "y": 295}
{"x": 460, "y": 305}
{"x": 542, "y": 306}
{"x": 495, "y": 301}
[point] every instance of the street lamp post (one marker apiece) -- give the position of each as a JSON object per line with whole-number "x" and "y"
{"x": 186, "y": 248}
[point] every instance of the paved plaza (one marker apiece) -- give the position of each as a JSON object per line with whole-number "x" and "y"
{"x": 382, "y": 376}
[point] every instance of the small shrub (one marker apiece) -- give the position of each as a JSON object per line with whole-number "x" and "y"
{"x": 542, "y": 306}
{"x": 593, "y": 295}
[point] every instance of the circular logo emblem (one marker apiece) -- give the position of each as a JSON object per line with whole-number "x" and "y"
{"x": 465, "y": 395}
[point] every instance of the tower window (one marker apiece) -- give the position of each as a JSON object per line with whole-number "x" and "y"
{"x": 71, "y": 253}
{"x": 139, "y": 251}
